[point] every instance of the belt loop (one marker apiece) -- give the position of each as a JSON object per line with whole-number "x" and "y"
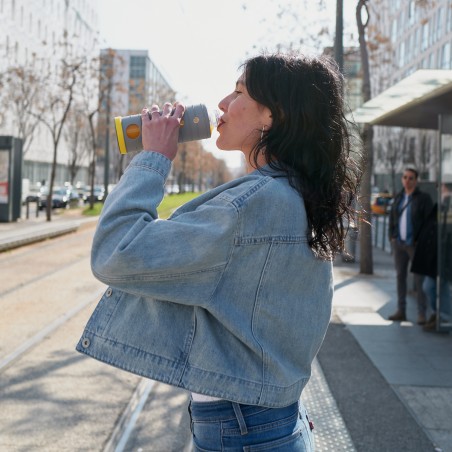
{"x": 240, "y": 419}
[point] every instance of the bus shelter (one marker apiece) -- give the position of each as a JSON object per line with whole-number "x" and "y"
{"x": 423, "y": 100}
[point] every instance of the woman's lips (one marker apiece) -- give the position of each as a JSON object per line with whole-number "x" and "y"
{"x": 220, "y": 123}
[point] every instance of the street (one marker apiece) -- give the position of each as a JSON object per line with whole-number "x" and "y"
{"x": 52, "y": 398}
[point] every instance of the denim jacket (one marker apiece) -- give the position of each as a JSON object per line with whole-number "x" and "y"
{"x": 225, "y": 298}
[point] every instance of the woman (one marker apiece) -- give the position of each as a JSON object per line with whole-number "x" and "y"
{"x": 230, "y": 297}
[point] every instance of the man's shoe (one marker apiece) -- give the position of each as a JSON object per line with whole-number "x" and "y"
{"x": 398, "y": 316}
{"x": 429, "y": 327}
{"x": 421, "y": 319}
{"x": 432, "y": 319}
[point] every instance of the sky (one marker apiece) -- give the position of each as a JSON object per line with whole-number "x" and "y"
{"x": 198, "y": 45}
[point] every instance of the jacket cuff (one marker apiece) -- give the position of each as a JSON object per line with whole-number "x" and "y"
{"x": 154, "y": 161}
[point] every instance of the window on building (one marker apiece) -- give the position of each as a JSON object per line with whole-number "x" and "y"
{"x": 425, "y": 36}
{"x": 445, "y": 59}
{"x": 137, "y": 67}
{"x": 394, "y": 31}
{"x": 439, "y": 22}
{"x": 431, "y": 60}
{"x": 13, "y": 9}
{"x": 411, "y": 12}
{"x": 402, "y": 54}
{"x": 408, "y": 48}
{"x": 449, "y": 19}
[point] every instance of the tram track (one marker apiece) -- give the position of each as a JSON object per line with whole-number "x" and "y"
{"x": 21, "y": 267}
{"x": 38, "y": 337}
{"x": 38, "y": 278}
{"x": 54, "y": 398}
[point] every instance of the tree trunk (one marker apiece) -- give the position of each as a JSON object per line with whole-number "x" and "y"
{"x": 365, "y": 226}
{"x": 365, "y": 241}
{"x": 52, "y": 181}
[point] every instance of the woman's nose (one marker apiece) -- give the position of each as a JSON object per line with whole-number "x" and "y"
{"x": 223, "y": 104}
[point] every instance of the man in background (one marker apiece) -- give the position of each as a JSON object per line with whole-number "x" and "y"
{"x": 410, "y": 209}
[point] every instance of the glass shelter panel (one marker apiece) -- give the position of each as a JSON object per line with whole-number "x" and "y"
{"x": 444, "y": 280}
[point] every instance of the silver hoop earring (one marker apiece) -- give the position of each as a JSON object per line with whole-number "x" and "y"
{"x": 262, "y": 132}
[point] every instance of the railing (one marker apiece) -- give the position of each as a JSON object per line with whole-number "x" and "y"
{"x": 27, "y": 208}
{"x": 380, "y": 225}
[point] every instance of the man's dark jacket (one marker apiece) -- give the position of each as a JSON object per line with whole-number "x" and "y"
{"x": 421, "y": 206}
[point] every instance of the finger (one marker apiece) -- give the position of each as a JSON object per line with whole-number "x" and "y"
{"x": 179, "y": 110}
{"x": 167, "y": 109}
{"x": 155, "y": 110}
{"x": 145, "y": 114}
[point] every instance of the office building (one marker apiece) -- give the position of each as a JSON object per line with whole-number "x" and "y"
{"x": 405, "y": 36}
{"x": 35, "y": 35}
{"x": 129, "y": 81}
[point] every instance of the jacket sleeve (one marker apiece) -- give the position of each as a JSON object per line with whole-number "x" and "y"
{"x": 179, "y": 260}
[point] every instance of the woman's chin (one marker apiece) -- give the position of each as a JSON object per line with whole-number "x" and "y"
{"x": 223, "y": 146}
{"x": 220, "y": 145}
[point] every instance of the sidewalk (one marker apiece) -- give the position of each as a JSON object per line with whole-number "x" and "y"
{"x": 35, "y": 229}
{"x": 392, "y": 382}
{"x": 417, "y": 365}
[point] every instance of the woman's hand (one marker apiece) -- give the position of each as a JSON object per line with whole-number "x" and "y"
{"x": 160, "y": 134}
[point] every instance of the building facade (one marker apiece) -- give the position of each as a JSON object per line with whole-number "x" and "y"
{"x": 405, "y": 36}
{"x": 35, "y": 35}
{"x": 129, "y": 81}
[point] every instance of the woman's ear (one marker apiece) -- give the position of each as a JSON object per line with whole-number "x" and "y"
{"x": 267, "y": 118}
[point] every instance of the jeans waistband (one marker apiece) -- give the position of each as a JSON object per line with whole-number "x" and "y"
{"x": 224, "y": 410}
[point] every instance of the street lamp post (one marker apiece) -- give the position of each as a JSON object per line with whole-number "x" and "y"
{"x": 338, "y": 40}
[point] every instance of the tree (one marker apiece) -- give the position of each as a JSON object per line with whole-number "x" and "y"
{"x": 75, "y": 135}
{"x": 20, "y": 89}
{"x": 292, "y": 24}
{"x": 365, "y": 226}
{"x": 91, "y": 98}
{"x": 54, "y": 111}
{"x": 422, "y": 158}
{"x": 197, "y": 168}
{"x": 397, "y": 143}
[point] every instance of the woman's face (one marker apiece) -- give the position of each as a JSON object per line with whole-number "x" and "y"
{"x": 241, "y": 124}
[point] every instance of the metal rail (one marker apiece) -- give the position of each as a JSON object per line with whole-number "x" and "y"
{"x": 38, "y": 337}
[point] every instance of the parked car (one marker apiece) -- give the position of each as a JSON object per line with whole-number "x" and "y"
{"x": 99, "y": 194}
{"x": 381, "y": 203}
{"x": 33, "y": 196}
{"x": 60, "y": 198}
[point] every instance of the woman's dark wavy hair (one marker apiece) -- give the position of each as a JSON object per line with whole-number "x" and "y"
{"x": 310, "y": 139}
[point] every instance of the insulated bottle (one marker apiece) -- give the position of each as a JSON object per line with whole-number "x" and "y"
{"x": 196, "y": 124}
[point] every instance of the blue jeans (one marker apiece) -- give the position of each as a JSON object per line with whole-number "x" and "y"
{"x": 227, "y": 426}
{"x": 429, "y": 287}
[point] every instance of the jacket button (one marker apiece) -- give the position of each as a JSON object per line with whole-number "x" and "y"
{"x": 86, "y": 342}
{"x": 109, "y": 292}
